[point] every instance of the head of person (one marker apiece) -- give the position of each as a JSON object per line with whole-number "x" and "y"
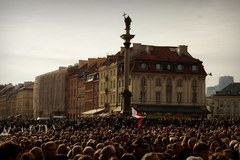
{"x": 128, "y": 156}
{"x": 62, "y": 149}
{"x": 10, "y": 151}
{"x": 50, "y": 149}
{"x": 107, "y": 152}
{"x": 88, "y": 150}
{"x": 201, "y": 149}
{"x": 85, "y": 157}
{"x": 28, "y": 156}
{"x": 150, "y": 156}
{"x": 140, "y": 147}
{"x": 37, "y": 152}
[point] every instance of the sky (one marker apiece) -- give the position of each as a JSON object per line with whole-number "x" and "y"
{"x": 38, "y": 36}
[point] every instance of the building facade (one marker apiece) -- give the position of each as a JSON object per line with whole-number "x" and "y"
{"x": 227, "y": 102}
{"x": 49, "y": 93}
{"x": 166, "y": 80}
{"x": 108, "y": 85}
{"x": 17, "y": 100}
{"x": 24, "y": 100}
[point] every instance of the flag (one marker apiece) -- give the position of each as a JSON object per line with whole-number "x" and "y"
{"x": 136, "y": 115}
{"x": 140, "y": 122}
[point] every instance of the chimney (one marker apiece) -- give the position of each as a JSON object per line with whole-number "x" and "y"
{"x": 91, "y": 61}
{"x": 182, "y": 49}
{"x": 82, "y": 62}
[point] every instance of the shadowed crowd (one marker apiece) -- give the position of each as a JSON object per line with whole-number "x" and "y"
{"x": 120, "y": 138}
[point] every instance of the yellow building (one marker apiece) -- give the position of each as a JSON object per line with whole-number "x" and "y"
{"x": 108, "y": 87}
{"x": 24, "y": 100}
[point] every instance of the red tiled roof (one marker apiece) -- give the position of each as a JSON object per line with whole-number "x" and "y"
{"x": 164, "y": 54}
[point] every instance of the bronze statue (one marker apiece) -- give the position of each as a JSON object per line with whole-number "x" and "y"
{"x": 127, "y": 21}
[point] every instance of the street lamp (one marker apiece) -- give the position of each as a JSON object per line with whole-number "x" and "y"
{"x": 127, "y": 94}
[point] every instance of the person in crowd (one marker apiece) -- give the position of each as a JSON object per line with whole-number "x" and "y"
{"x": 88, "y": 150}
{"x": 188, "y": 150}
{"x": 213, "y": 145}
{"x": 50, "y": 150}
{"x": 37, "y": 152}
{"x": 122, "y": 133}
{"x": 10, "y": 151}
{"x": 150, "y": 156}
{"x": 107, "y": 152}
{"x": 62, "y": 149}
{"x": 85, "y": 157}
{"x": 28, "y": 156}
{"x": 140, "y": 148}
{"x": 200, "y": 150}
{"x": 128, "y": 156}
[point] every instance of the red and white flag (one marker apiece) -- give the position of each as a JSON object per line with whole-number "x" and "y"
{"x": 136, "y": 115}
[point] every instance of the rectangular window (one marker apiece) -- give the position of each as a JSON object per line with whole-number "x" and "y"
{"x": 179, "y": 97}
{"x": 158, "y": 98}
{"x": 143, "y": 97}
{"x": 179, "y": 67}
{"x": 144, "y": 66}
{"x": 158, "y": 67}
{"x": 179, "y": 82}
{"x": 158, "y": 82}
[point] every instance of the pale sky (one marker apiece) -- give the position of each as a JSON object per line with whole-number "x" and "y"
{"x": 38, "y": 36}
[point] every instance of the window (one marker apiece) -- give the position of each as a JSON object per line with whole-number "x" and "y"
{"x": 194, "y": 97}
{"x": 158, "y": 67}
{"x": 168, "y": 67}
{"x": 194, "y": 83}
{"x": 143, "y": 81}
{"x": 194, "y": 68}
{"x": 143, "y": 97}
{"x": 179, "y": 97}
{"x": 169, "y": 90}
{"x": 179, "y": 67}
{"x": 143, "y": 66}
{"x": 158, "y": 82}
{"x": 158, "y": 97}
{"x": 179, "y": 82}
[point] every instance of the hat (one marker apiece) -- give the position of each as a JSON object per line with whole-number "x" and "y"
{"x": 139, "y": 142}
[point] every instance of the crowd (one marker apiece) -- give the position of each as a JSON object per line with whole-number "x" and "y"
{"x": 120, "y": 138}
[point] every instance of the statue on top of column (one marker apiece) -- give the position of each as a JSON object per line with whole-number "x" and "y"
{"x": 127, "y": 21}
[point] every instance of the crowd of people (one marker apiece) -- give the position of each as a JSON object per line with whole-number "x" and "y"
{"x": 117, "y": 137}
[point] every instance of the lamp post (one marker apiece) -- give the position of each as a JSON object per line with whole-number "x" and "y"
{"x": 127, "y": 94}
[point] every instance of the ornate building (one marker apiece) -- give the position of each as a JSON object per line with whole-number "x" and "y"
{"x": 161, "y": 79}
{"x": 166, "y": 80}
